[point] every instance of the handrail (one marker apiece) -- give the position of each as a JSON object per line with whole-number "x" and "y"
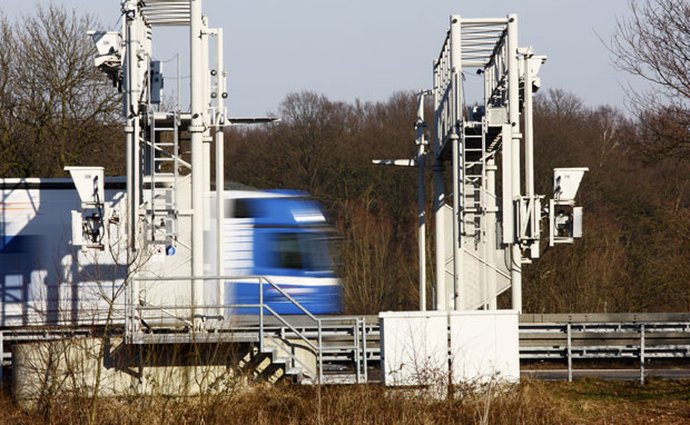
{"x": 286, "y": 295}
{"x": 292, "y": 328}
{"x": 359, "y": 348}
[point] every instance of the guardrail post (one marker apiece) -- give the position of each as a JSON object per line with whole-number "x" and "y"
{"x": 358, "y": 365}
{"x": 569, "y": 353}
{"x": 642, "y": 343}
{"x": 261, "y": 315}
{"x": 364, "y": 350}
{"x": 320, "y": 354}
{"x": 128, "y": 311}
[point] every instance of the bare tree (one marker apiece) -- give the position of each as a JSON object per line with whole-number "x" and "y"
{"x": 654, "y": 43}
{"x": 55, "y": 107}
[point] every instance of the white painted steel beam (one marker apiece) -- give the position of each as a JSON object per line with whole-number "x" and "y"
{"x": 514, "y": 139}
{"x": 196, "y": 130}
{"x": 458, "y": 172}
{"x": 219, "y": 120}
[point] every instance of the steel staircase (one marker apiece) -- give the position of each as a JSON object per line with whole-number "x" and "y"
{"x": 300, "y": 348}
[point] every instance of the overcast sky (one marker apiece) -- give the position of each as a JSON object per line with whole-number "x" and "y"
{"x": 369, "y": 49}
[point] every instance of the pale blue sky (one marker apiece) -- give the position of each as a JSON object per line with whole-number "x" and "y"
{"x": 370, "y": 49}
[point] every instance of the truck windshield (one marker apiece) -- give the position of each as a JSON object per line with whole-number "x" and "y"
{"x": 304, "y": 250}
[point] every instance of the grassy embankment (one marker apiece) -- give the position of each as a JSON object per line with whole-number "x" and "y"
{"x": 532, "y": 402}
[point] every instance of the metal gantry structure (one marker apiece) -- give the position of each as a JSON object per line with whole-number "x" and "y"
{"x": 176, "y": 273}
{"x": 483, "y": 236}
{"x": 169, "y": 151}
{"x": 486, "y": 226}
{"x": 168, "y": 214}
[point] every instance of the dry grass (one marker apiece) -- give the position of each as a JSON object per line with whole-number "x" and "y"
{"x": 599, "y": 402}
{"x": 530, "y": 403}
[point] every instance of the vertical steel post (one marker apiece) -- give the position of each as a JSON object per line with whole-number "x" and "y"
{"x": 358, "y": 359}
{"x": 261, "y": 314}
{"x": 128, "y": 307}
{"x": 491, "y": 210}
{"x": 454, "y": 139}
{"x": 458, "y": 168}
{"x": 320, "y": 354}
{"x": 439, "y": 203}
{"x": 207, "y": 138}
{"x": 642, "y": 353}
{"x": 439, "y": 236}
{"x": 529, "y": 128}
{"x": 196, "y": 129}
{"x": 220, "y": 165}
{"x": 529, "y": 149}
{"x": 364, "y": 350}
{"x": 421, "y": 214}
{"x": 569, "y": 347}
{"x": 514, "y": 140}
{"x": 131, "y": 111}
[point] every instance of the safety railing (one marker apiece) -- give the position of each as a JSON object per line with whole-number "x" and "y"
{"x": 604, "y": 341}
{"x": 187, "y": 315}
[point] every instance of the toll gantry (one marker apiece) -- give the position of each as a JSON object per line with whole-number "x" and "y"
{"x": 174, "y": 232}
{"x": 171, "y": 271}
{"x": 483, "y": 236}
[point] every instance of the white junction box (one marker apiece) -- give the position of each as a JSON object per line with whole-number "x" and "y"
{"x": 414, "y": 347}
{"x": 485, "y": 346}
{"x": 425, "y": 347}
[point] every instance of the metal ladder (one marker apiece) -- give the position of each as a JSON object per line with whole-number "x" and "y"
{"x": 164, "y": 175}
{"x": 472, "y": 182}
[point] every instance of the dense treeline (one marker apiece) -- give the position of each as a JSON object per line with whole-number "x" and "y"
{"x": 633, "y": 256}
{"x": 326, "y": 148}
{"x": 56, "y": 110}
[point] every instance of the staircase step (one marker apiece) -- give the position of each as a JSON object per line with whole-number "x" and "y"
{"x": 340, "y": 379}
{"x": 293, "y": 371}
{"x": 337, "y": 348}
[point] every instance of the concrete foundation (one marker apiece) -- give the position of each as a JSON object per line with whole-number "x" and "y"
{"x": 83, "y": 367}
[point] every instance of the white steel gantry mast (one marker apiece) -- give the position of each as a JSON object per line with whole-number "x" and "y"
{"x": 483, "y": 238}
{"x": 168, "y": 190}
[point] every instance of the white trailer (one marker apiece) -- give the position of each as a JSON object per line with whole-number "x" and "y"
{"x": 44, "y": 279}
